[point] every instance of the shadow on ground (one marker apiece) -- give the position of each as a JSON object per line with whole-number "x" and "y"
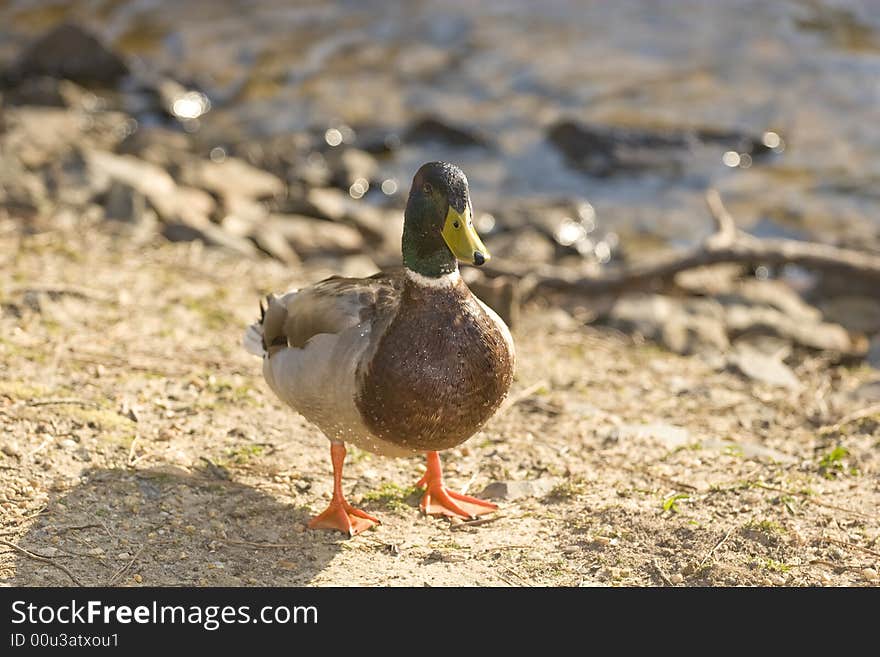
{"x": 169, "y": 527}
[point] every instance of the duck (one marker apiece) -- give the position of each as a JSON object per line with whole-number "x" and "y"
{"x": 403, "y": 362}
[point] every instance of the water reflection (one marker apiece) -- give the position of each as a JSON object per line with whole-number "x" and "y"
{"x": 798, "y": 76}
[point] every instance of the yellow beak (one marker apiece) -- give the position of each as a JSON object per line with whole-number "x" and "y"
{"x": 462, "y": 239}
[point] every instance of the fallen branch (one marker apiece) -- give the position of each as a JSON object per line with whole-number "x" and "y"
{"x": 63, "y": 401}
{"x": 851, "y": 546}
{"x": 46, "y": 560}
{"x": 727, "y": 245}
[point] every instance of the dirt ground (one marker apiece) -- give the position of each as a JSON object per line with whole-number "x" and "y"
{"x": 140, "y": 446}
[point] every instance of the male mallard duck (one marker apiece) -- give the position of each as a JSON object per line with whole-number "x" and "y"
{"x": 405, "y": 361}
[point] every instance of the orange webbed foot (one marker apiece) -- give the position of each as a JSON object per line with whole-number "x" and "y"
{"x": 439, "y": 500}
{"x": 342, "y": 516}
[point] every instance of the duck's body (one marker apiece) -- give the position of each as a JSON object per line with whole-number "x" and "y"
{"x": 401, "y": 362}
{"x": 393, "y": 364}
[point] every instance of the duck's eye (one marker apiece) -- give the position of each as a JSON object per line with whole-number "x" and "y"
{"x": 427, "y": 188}
{"x": 455, "y": 224}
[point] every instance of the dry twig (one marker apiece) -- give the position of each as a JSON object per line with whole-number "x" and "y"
{"x": 46, "y": 560}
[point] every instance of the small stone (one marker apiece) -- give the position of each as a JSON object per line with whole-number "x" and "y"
{"x": 10, "y": 449}
{"x": 95, "y": 551}
{"x": 676, "y": 578}
{"x": 870, "y": 574}
{"x": 513, "y": 490}
{"x": 759, "y": 367}
{"x": 123, "y": 555}
{"x": 137, "y": 578}
{"x": 433, "y": 129}
{"x": 669, "y": 435}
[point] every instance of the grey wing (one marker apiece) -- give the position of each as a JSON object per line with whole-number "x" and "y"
{"x": 330, "y": 306}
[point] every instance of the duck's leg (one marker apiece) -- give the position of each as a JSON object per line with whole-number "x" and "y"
{"x": 439, "y": 500}
{"x": 340, "y": 514}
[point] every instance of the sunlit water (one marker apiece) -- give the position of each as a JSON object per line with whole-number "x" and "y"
{"x": 808, "y": 71}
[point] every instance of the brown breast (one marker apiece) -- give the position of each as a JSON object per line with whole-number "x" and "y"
{"x": 439, "y": 372}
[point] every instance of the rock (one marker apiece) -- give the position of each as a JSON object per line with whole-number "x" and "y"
{"x": 211, "y": 234}
{"x": 684, "y": 327}
{"x": 669, "y": 435}
{"x": 233, "y": 177}
{"x": 742, "y": 319}
{"x": 124, "y": 203}
{"x": 21, "y": 191}
{"x": 41, "y": 136}
{"x": 49, "y": 92}
{"x": 514, "y": 490}
{"x": 161, "y": 146}
{"x": 603, "y": 150}
{"x": 314, "y": 237}
{"x": 693, "y": 333}
{"x": 382, "y": 229}
{"x": 772, "y": 293}
{"x": 856, "y": 313}
{"x": 69, "y": 51}
{"x": 873, "y": 356}
{"x": 173, "y": 203}
{"x": 274, "y": 242}
{"x": 434, "y": 129}
{"x": 10, "y": 449}
{"x": 870, "y": 574}
{"x": 867, "y": 392}
{"x": 759, "y": 367}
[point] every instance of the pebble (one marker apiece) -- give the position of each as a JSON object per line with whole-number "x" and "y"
{"x": 137, "y": 578}
{"x": 10, "y": 449}
{"x": 870, "y": 574}
{"x": 96, "y": 551}
{"x": 512, "y": 490}
{"x": 676, "y": 578}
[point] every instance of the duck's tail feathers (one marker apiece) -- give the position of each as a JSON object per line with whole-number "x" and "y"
{"x": 253, "y": 340}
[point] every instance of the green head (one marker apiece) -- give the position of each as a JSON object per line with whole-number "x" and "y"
{"x": 438, "y": 228}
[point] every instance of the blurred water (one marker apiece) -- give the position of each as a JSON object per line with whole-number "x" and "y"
{"x": 808, "y": 70}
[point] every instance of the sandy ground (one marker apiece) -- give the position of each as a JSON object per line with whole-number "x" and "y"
{"x": 140, "y": 446}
